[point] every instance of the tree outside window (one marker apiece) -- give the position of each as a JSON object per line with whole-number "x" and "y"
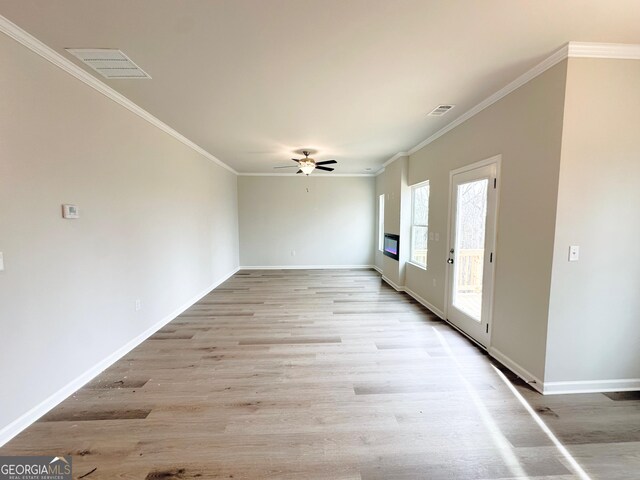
{"x": 419, "y": 223}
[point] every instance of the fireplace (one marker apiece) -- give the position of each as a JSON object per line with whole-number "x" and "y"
{"x": 392, "y": 245}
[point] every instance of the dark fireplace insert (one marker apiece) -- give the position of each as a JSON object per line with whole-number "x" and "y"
{"x": 392, "y": 245}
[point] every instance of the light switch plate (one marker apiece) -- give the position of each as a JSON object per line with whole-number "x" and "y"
{"x": 574, "y": 253}
{"x": 70, "y": 211}
{"x": 1, "y": 262}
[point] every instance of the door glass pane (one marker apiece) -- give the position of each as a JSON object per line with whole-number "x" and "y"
{"x": 471, "y": 220}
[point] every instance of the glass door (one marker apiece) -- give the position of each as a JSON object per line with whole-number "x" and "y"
{"x": 471, "y": 253}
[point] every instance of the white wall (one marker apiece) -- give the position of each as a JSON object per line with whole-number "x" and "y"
{"x": 158, "y": 222}
{"x": 378, "y": 255}
{"x": 525, "y": 127}
{"x": 570, "y": 147}
{"x": 392, "y": 183}
{"x": 594, "y": 317}
{"x": 326, "y": 220}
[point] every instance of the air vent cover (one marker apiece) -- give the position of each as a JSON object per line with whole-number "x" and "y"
{"x": 109, "y": 63}
{"x": 440, "y": 110}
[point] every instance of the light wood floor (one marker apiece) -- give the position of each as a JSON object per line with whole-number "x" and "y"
{"x": 323, "y": 375}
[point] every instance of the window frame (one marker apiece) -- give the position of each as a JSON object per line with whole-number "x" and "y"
{"x": 412, "y": 224}
{"x": 381, "y": 222}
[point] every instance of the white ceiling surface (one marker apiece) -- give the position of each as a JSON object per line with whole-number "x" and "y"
{"x": 251, "y": 81}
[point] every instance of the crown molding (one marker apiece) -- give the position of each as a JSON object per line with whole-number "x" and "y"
{"x": 570, "y": 50}
{"x": 391, "y": 160}
{"x": 394, "y": 158}
{"x": 12, "y": 30}
{"x": 618, "y": 51}
{"x": 526, "y": 77}
{"x": 321, "y": 175}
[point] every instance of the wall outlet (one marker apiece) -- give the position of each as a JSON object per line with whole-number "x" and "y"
{"x": 1, "y": 262}
{"x": 434, "y": 282}
{"x": 437, "y": 237}
{"x": 138, "y": 305}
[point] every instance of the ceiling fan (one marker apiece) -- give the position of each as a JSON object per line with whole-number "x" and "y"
{"x": 307, "y": 164}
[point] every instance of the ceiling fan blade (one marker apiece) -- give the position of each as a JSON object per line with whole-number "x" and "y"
{"x": 295, "y": 160}
{"x": 324, "y": 168}
{"x": 288, "y": 166}
{"x": 299, "y": 171}
{"x": 326, "y": 162}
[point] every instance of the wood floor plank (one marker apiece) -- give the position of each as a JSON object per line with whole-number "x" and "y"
{"x": 323, "y": 375}
{"x": 290, "y": 341}
{"x": 89, "y": 415}
{"x": 624, "y": 396}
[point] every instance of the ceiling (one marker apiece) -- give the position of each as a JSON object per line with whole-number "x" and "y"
{"x": 251, "y": 81}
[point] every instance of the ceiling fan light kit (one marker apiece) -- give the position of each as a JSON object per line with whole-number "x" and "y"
{"x": 307, "y": 164}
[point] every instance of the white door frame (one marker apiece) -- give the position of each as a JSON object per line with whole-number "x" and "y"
{"x": 497, "y": 159}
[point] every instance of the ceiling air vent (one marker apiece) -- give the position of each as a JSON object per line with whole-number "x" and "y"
{"x": 440, "y": 110}
{"x": 109, "y": 63}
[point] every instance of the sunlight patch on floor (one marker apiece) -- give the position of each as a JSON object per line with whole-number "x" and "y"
{"x": 565, "y": 453}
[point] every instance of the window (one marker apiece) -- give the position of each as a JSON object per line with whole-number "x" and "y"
{"x": 419, "y": 223}
{"x": 381, "y": 222}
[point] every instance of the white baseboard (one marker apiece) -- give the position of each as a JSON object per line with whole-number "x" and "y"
{"x": 558, "y": 388}
{"x": 592, "y": 386}
{"x": 424, "y": 303}
{"x": 397, "y": 288}
{"x": 413, "y": 295}
{"x": 548, "y": 388}
{"x": 26, "y": 419}
{"x": 516, "y": 368}
{"x": 305, "y": 267}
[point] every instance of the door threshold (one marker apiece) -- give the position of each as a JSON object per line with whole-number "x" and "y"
{"x": 486, "y": 349}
